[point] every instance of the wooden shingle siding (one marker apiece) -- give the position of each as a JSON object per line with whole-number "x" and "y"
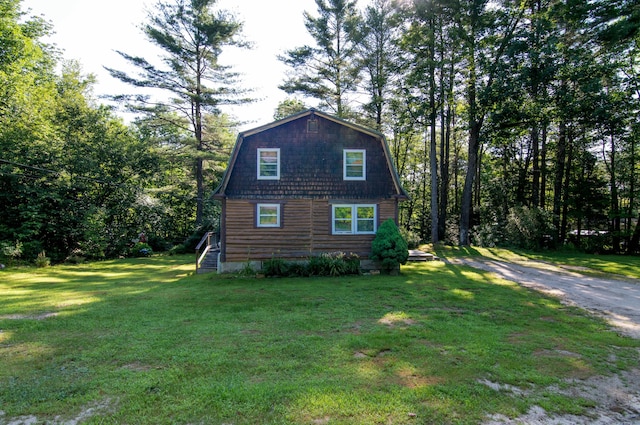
{"x": 305, "y": 231}
{"x": 311, "y": 163}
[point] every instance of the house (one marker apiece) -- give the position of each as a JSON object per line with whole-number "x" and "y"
{"x": 305, "y": 185}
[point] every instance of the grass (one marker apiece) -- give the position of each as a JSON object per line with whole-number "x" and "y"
{"x": 593, "y": 264}
{"x": 145, "y": 341}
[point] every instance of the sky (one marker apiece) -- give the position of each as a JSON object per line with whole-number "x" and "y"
{"x": 90, "y": 31}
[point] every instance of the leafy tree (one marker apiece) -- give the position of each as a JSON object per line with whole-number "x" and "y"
{"x": 288, "y": 107}
{"x": 327, "y": 71}
{"x": 379, "y": 56}
{"x": 191, "y": 35}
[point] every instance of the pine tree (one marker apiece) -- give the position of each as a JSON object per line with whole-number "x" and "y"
{"x": 192, "y": 36}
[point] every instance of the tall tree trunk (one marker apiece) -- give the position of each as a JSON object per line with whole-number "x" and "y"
{"x": 445, "y": 148}
{"x": 466, "y": 204}
{"x": 632, "y": 196}
{"x": 535, "y": 148}
{"x": 565, "y": 186}
{"x": 543, "y": 167}
{"x": 475, "y": 125}
{"x": 615, "y": 210}
{"x": 433, "y": 167}
{"x": 634, "y": 243}
{"x": 433, "y": 159}
{"x": 561, "y": 153}
{"x": 197, "y": 116}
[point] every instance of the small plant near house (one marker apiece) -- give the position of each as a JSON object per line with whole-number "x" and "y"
{"x": 42, "y": 260}
{"x": 275, "y": 267}
{"x": 325, "y": 264}
{"x": 247, "y": 270}
{"x": 389, "y": 247}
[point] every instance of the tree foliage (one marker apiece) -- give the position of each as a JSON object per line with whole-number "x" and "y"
{"x": 327, "y": 71}
{"x": 389, "y": 247}
{"x": 191, "y": 36}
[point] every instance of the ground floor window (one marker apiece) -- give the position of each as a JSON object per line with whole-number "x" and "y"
{"x": 353, "y": 219}
{"x": 268, "y": 215}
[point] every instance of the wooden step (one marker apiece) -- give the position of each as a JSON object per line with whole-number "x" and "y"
{"x": 417, "y": 255}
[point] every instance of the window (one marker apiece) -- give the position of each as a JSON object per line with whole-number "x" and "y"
{"x": 355, "y": 164}
{"x": 268, "y": 164}
{"x": 268, "y": 215}
{"x": 353, "y": 219}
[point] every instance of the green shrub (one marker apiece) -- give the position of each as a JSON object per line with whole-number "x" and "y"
{"x": 158, "y": 244}
{"x": 488, "y": 235}
{"x": 247, "y": 270}
{"x": 140, "y": 249}
{"x": 275, "y": 267}
{"x": 11, "y": 251}
{"x": 412, "y": 238}
{"x": 527, "y": 227}
{"x": 75, "y": 257}
{"x": 389, "y": 247}
{"x": 325, "y": 264}
{"x": 179, "y": 249}
{"x": 42, "y": 260}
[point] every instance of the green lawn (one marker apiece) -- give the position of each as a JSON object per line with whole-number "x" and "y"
{"x": 623, "y": 265}
{"x": 147, "y": 342}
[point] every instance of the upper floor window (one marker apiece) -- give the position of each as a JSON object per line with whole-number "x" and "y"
{"x": 268, "y": 164}
{"x": 353, "y": 219}
{"x": 355, "y": 167}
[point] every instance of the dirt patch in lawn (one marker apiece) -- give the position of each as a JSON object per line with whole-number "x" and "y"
{"x": 615, "y": 398}
{"x": 41, "y": 316}
{"x": 95, "y": 409}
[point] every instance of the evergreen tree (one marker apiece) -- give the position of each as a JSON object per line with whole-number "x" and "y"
{"x": 327, "y": 71}
{"x": 191, "y": 35}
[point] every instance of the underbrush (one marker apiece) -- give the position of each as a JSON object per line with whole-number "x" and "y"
{"x": 326, "y": 264}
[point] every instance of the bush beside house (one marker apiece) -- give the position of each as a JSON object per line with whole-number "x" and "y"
{"x": 389, "y": 248}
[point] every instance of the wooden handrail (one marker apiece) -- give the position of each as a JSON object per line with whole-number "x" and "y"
{"x": 200, "y": 256}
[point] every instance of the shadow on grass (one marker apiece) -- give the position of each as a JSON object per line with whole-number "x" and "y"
{"x": 166, "y": 346}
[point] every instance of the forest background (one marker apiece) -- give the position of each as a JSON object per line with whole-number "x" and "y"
{"x": 511, "y": 123}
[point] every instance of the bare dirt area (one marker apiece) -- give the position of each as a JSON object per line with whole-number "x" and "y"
{"x": 616, "y": 398}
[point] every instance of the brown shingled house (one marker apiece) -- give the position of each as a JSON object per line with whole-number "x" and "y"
{"x": 304, "y": 185}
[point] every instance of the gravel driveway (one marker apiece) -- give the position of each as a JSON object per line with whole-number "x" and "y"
{"x": 616, "y": 397}
{"x": 617, "y": 300}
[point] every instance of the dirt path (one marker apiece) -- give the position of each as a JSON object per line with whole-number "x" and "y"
{"x": 616, "y": 397}
{"x": 617, "y": 300}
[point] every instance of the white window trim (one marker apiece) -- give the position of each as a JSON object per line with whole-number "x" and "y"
{"x": 364, "y": 164}
{"x": 278, "y": 215}
{"x": 354, "y": 218}
{"x": 277, "y": 176}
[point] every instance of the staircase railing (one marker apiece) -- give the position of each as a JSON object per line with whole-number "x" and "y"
{"x": 209, "y": 240}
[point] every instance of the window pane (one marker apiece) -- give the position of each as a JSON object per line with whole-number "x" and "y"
{"x": 354, "y": 158}
{"x": 343, "y": 226}
{"x": 366, "y": 219}
{"x": 354, "y": 171}
{"x": 343, "y": 212}
{"x": 365, "y": 212}
{"x": 268, "y": 215}
{"x": 268, "y": 170}
{"x": 268, "y": 220}
{"x": 268, "y": 163}
{"x": 342, "y": 219}
{"x": 354, "y": 164}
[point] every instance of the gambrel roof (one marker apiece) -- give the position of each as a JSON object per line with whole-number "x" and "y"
{"x": 312, "y": 143}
